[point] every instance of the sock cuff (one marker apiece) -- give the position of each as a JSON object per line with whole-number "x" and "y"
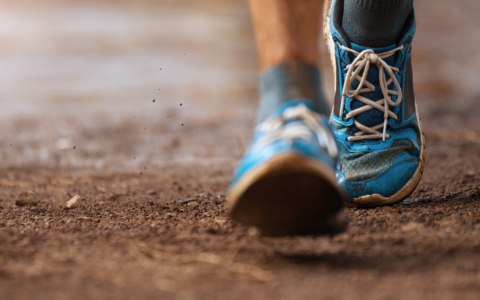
{"x": 292, "y": 80}
{"x": 289, "y": 81}
{"x": 382, "y": 6}
{"x": 375, "y": 23}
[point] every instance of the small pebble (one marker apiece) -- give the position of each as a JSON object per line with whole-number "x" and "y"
{"x": 221, "y": 222}
{"x": 184, "y": 200}
{"x": 254, "y": 231}
{"x": 26, "y": 198}
{"x": 74, "y": 202}
{"x": 151, "y": 192}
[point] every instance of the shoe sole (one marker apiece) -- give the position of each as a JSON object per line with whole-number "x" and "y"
{"x": 409, "y": 187}
{"x": 289, "y": 195}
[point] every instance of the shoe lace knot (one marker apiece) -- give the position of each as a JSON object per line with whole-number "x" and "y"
{"x": 363, "y": 61}
{"x": 276, "y": 128}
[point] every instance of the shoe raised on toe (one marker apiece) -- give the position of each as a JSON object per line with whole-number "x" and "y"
{"x": 375, "y": 119}
{"x": 285, "y": 184}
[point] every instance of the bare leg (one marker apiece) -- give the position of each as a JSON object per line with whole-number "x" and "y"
{"x": 286, "y": 31}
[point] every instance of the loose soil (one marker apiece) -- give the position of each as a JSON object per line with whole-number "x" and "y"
{"x": 153, "y": 223}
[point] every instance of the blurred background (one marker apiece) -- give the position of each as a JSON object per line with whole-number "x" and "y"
{"x": 85, "y": 74}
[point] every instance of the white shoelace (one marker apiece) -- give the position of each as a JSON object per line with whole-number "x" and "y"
{"x": 363, "y": 61}
{"x": 275, "y": 129}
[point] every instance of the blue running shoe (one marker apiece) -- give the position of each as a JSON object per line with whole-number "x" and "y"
{"x": 374, "y": 119}
{"x": 285, "y": 184}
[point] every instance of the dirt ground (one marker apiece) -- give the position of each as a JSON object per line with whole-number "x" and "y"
{"x": 78, "y": 116}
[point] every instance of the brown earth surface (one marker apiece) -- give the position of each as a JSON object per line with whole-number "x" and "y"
{"x": 78, "y": 118}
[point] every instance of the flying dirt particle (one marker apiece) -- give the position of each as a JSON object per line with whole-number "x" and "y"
{"x": 74, "y": 147}
{"x": 144, "y": 168}
{"x": 182, "y": 124}
{"x": 26, "y": 198}
{"x": 184, "y": 53}
{"x": 181, "y": 104}
{"x": 160, "y": 69}
{"x": 158, "y": 89}
{"x": 168, "y": 117}
{"x": 134, "y": 157}
{"x": 153, "y": 100}
{"x": 144, "y": 128}
{"x": 141, "y": 173}
{"x": 10, "y": 145}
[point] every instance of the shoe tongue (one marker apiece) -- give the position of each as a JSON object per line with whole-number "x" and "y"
{"x": 359, "y": 48}
{"x": 372, "y": 117}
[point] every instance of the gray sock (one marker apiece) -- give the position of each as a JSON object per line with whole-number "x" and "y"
{"x": 375, "y": 23}
{"x": 290, "y": 81}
